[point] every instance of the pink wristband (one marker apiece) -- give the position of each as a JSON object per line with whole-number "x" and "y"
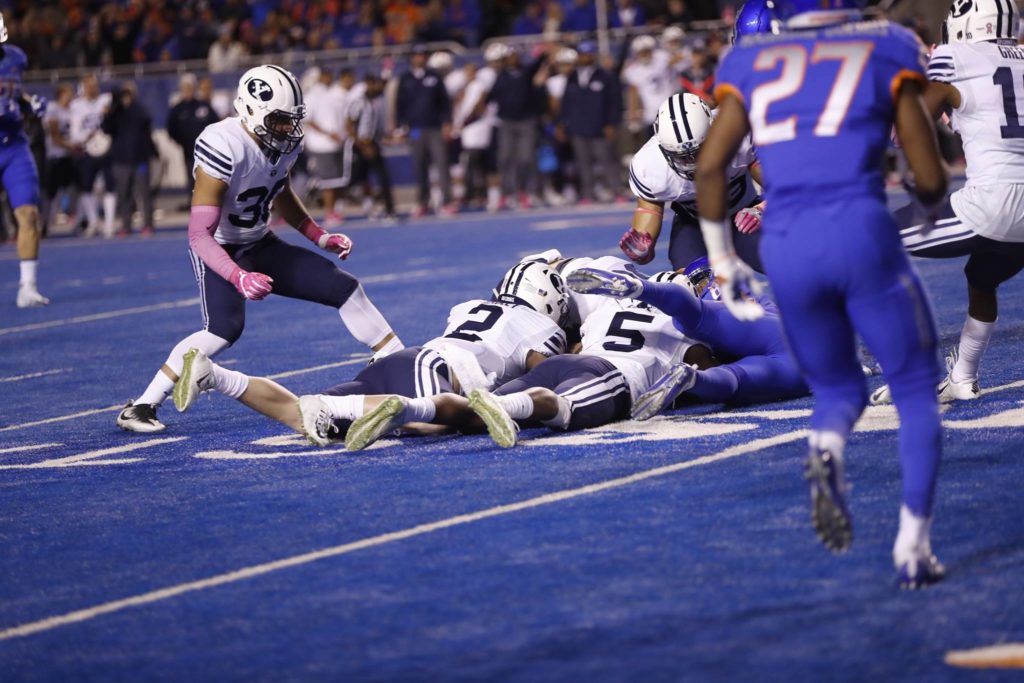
{"x": 311, "y": 230}
{"x": 649, "y": 211}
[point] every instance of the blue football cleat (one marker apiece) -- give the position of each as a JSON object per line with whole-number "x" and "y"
{"x": 829, "y": 515}
{"x": 664, "y": 392}
{"x": 594, "y": 281}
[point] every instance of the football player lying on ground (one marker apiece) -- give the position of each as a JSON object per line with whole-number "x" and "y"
{"x": 763, "y": 370}
{"x": 625, "y": 346}
{"x": 484, "y": 342}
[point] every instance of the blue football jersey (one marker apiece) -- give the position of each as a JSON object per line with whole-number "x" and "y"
{"x": 821, "y": 105}
{"x": 13, "y": 64}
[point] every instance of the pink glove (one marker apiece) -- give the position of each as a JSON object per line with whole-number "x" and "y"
{"x": 749, "y": 220}
{"x": 638, "y": 246}
{"x": 253, "y": 286}
{"x": 335, "y": 243}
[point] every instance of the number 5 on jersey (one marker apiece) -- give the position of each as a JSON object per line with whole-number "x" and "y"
{"x": 852, "y": 58}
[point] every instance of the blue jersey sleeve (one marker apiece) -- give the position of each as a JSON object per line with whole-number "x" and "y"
{"x": 903, "y": 58}
{"x": 731, "y": 77}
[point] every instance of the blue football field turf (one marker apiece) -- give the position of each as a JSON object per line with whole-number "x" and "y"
{"x": 225, "y": 549}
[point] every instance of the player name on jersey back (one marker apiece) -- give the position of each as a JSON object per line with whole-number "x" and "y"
{"x": 226, "y": 152}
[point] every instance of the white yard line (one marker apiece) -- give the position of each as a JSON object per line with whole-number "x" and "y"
{"x": 95, "y": 457}
{"x": 326, "y": 366}
{"x": 120, "y": 313}
{"x": 392, "y": 537}
{"x": 33, "y": 375}
{"x": 30, "y": 447}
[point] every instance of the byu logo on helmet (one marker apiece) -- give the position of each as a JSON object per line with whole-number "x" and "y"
{"x": 261, "y": 90}
{"x": 961, "y": 7}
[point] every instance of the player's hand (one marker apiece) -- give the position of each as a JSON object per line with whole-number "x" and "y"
{"x": 749, "y": 220}
{"x": 253, "y": 286}
{"x": 336, "y": 243}
{"x": 37, "y": 104}
{"x": 738, "y": 285}
{"x": 638, "y": 246}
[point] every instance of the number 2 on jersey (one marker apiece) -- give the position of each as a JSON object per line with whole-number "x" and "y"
{"x": 466, "y": 330}
{"x": 852, "y": 58}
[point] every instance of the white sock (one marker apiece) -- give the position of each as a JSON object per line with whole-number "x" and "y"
{"x": 519, "y": 405}
{"x": 162, "y": 385}
{"x": 420, "y": 410}
{"x": 90, "y": 208}
{"x": 158, "y": 390}
{"x": 833, "y": 442}
{"x": 394, "y": 345}
{"x": 231, "y": 383}
{"x": 973, "y": 341}
{"x": 109, "y": 208}
{"x": 344, "y": 407}
{"x": 28, "y": 272}
{"x": 913, "y": 538}
{"x": 561, "y": 419}
{"x": 363, "y": 320}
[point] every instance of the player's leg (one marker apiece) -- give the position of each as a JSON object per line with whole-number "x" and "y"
{"x": 109, "y": 195}
{"x": 893, "y": 316}
{"x": 299, "y": 273}
{"x": 88, "y": 171}
{"x": 223, "y": 311}
{"x": 686, "y": 244}
{"x": 755, "y": 379}
{"x": 145, "y": 192}
{"x": 124, "y": 182}
{"x": 21, "y": 180}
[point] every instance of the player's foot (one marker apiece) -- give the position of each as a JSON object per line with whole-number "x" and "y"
{"x": 829, "y": 515}
{"x": 385, "y": 418}
{"x": 594, "y": 281}
{"x": 29, "y": 296}
{"x": 920, "y": 571}
{"x": 916, "y": 565}
{"x": 317, "y": 423}
{"x": 140, "y": 417}
{"x": 196, "y": 377}
{"x": 664, "y": 392}
{"x": 953, "y": 390}
{"x": 500, "y": 426}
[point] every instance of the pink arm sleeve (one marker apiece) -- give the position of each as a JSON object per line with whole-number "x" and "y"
{"x": 202, "y": 223}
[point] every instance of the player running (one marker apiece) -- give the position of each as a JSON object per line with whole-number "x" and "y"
{"x": 662, "y": 172}
{"x": 761, "y": 368}
{"x": 484, "y": 342}
{"x": 625, "y": 346}
{"x": 241, "y": 169}
{"x": 821, "y": 98}
{"x": 18, "y": 168}
{"x": 977, "y": 76}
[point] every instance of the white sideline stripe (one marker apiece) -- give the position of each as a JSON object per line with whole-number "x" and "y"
{"x": 61, "y": 418}
{"x": 117, "y": 406}
{"x": 84, "y": 458}
{"x": 100, "y": 316}
{"x": 292, "y": 373}
{"x": 392, "y": 537}
{"x": 30, "y": 447}
{"x": 33, "y": 375}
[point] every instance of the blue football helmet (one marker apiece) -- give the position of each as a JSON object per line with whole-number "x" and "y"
{"x": 702, "y": 279}
{"x": 797, "y": 14}
{"x": 754, "y": 17}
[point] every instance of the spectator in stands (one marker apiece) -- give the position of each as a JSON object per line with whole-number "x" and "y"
{"x": 628, "y": 14}
{"x": 364, "y": 30}
{"x": 92, "y": 50}
{"x": 367, "y": 117}
{"x": 581, "y": 17}
{"x": 423, "y": 112}
{"x": 226, "y": 53}
{"x": 463, "y": 17}
{"x": 530, "y": 22}
{"x": 186, "y": 120}
{"x": 434, "y": 28}
{"x": 401, "y": 21}
{"x": 194, "y": 37}
{"x": 519, "y": 106}
{"x": 325, "y": 136}
{"x": 590, "y": 115}
{"x": 60, "y": 166}
{"x": 677, "y": 12}
{"x": 130, "y": 128}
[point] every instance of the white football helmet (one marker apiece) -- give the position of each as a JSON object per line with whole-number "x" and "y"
{"x": 3, "y": 30}
{"x": 673, "y": 34}
{"x": 642, "y": 43}
{"x": 441, "y": 62}
{"x": 977, "y": 21}
{"x": 566, "y": 55}
{"x": 538, "y": 286}
{"x": 495, "y": 52}
{"x": 270, "y": 105}
{"x": 681, "y": 127}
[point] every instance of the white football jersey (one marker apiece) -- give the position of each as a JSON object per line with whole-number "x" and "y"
{"x": 640, "y": 341}
{"x": 227, "y": 152}
{"x": 62, "y": 116}
{"x": 655, "y": 81}
{"x": 327, "y": 109}
{"x": 990, "y": 79}
{"x": 501, "y": 336}
{"x": 652, "y": 179}
{"x": 87, "y": 116}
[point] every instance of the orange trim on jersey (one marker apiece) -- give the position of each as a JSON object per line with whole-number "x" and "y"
{"x": 726, "y": 88}
{"x": 902, "y": 77}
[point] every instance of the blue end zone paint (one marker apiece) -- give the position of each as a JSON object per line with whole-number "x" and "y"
{"x": 708, "y": 574}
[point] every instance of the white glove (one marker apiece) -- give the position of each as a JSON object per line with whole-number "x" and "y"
{"x": 737, "y": 283}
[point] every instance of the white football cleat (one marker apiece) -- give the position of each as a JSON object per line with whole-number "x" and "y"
{"x": 949, "y": 390}
{"x": 316, "y": 420}
{"x": 385, "y": 418}
{"x": 29, "y": 296}
{"x": 916, "y": 564}
{"x": 139, "y": 417}
{"x": 195, "y": 378}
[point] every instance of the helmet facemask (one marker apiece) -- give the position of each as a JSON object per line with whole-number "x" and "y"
{"x": 281, "y": 131}
{"x": 684, "y": 163}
